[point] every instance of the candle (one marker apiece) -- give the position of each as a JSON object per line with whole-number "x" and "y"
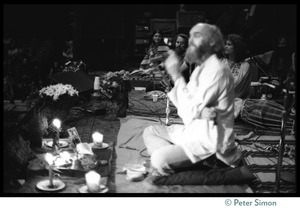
{"x": 65, "y": 155}
{"x": 155, "y": 96}
{"x": 49, "y": 158}
{"x": 93, "y": 181}
{"x": 97, "y": 139}
{"x": 97, "y": 83}
{"x": 56, "y": 122}
{"x": 63, "y": 159}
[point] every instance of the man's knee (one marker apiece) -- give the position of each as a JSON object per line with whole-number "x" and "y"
{"x": 158, "y": 160}
{"x": 147, "y": 133}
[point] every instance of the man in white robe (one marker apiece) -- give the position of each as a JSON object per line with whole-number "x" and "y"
{"x": 205, "y": 104}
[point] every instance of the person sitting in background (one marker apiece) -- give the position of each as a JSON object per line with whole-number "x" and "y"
{"x": 205, "y": 105}
{"x": 277, "y": 64}
{"x": 68, "y": 53}
{"x": 235, "y": 54}
{"x": 292, "y": 70}
{"x": 277, "y": 61}
{"x": 181, "y": 44}
{"x": 56, "y": 68}
{"x": 153, "y": 55}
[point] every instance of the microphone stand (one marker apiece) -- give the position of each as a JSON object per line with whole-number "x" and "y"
{"x": 168, "y": 87}
{"x": 168, "y": 111}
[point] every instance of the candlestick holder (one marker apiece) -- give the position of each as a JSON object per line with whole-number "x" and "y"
{"x": 45, "y": 185}
{"x": 55, "y": 144}
{"x": 85, "y": 189}
{"x": 93, "y": 184}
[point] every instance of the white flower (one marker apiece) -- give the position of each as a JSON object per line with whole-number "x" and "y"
{"x": 55, "y": 91}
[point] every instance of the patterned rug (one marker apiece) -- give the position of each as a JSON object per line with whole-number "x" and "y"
{"x": 261, "y": 154}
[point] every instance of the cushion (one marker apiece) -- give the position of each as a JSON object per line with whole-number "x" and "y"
{"x": 215, "y": 176}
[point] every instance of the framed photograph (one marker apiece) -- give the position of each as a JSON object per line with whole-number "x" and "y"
{"x": 74, "y": 136}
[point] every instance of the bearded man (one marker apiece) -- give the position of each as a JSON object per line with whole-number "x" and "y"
{"x": 206, "y": 106}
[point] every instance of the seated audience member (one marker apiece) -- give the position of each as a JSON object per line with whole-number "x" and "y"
{"x": 276, "y": 63}
{"x": 278, "y": 60}
{"x": 153, "y": 52}
{"x": 235, "y": 54}
{"x": 56, "y": 68}
{"x": 181, "y": 44}
{"x": 292, "y": 71}
{"x": 206, "y": 106}
{"x": 68, "y": 53}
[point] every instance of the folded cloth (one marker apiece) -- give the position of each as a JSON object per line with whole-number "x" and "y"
{"x": 84, "y": 148}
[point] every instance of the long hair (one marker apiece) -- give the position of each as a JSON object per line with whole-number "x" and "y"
{"x": 240, "y": 46}
{"x": 162, "y": 37}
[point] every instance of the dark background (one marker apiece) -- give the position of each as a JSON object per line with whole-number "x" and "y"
{"x": 105, "y": 34}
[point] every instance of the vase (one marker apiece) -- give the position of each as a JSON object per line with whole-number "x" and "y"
{"x": 58, "y": 109}
{"x": 60, "y": 113}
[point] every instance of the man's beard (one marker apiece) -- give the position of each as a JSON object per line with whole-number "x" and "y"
{"x": 179, "y": 51}
{"x": 196, "y": 54}
{"x": 192, "y": 55}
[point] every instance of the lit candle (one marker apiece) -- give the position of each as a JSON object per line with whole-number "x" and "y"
{"x": 56, "y": 122}
{"x": 97, "y": 139}
{"x": 65, "y": 155}
{"x": 93, "y": 181}
{"x": 49, "y": 158}
{"x": 97, "y": 83}
{"x": 64, "y": 159}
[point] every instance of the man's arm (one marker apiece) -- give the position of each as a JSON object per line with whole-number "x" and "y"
{"x": 192, "y": 100}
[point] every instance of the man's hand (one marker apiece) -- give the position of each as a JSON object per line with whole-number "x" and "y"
{"x": 172, "y": 65}
{"x": 208, "y": 113}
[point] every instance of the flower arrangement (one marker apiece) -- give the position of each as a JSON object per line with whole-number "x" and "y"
{"x": 58, "y": 99}
{"x": 115, "y": 86}
{"x": 55, "y": 91}
{"x": 115, "y": 82}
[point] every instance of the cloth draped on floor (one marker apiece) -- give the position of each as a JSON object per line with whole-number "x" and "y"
{"x": 130, "y": 149}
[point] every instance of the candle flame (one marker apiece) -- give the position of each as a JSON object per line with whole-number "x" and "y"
{"x": 65, "y": 155}
{"x": 56, "y": 122}
{"x": 98, "y": 136}
{"x": 49, "y": 158}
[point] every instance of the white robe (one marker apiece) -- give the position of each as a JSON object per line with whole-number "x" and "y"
{"x": 211, "y": 85}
